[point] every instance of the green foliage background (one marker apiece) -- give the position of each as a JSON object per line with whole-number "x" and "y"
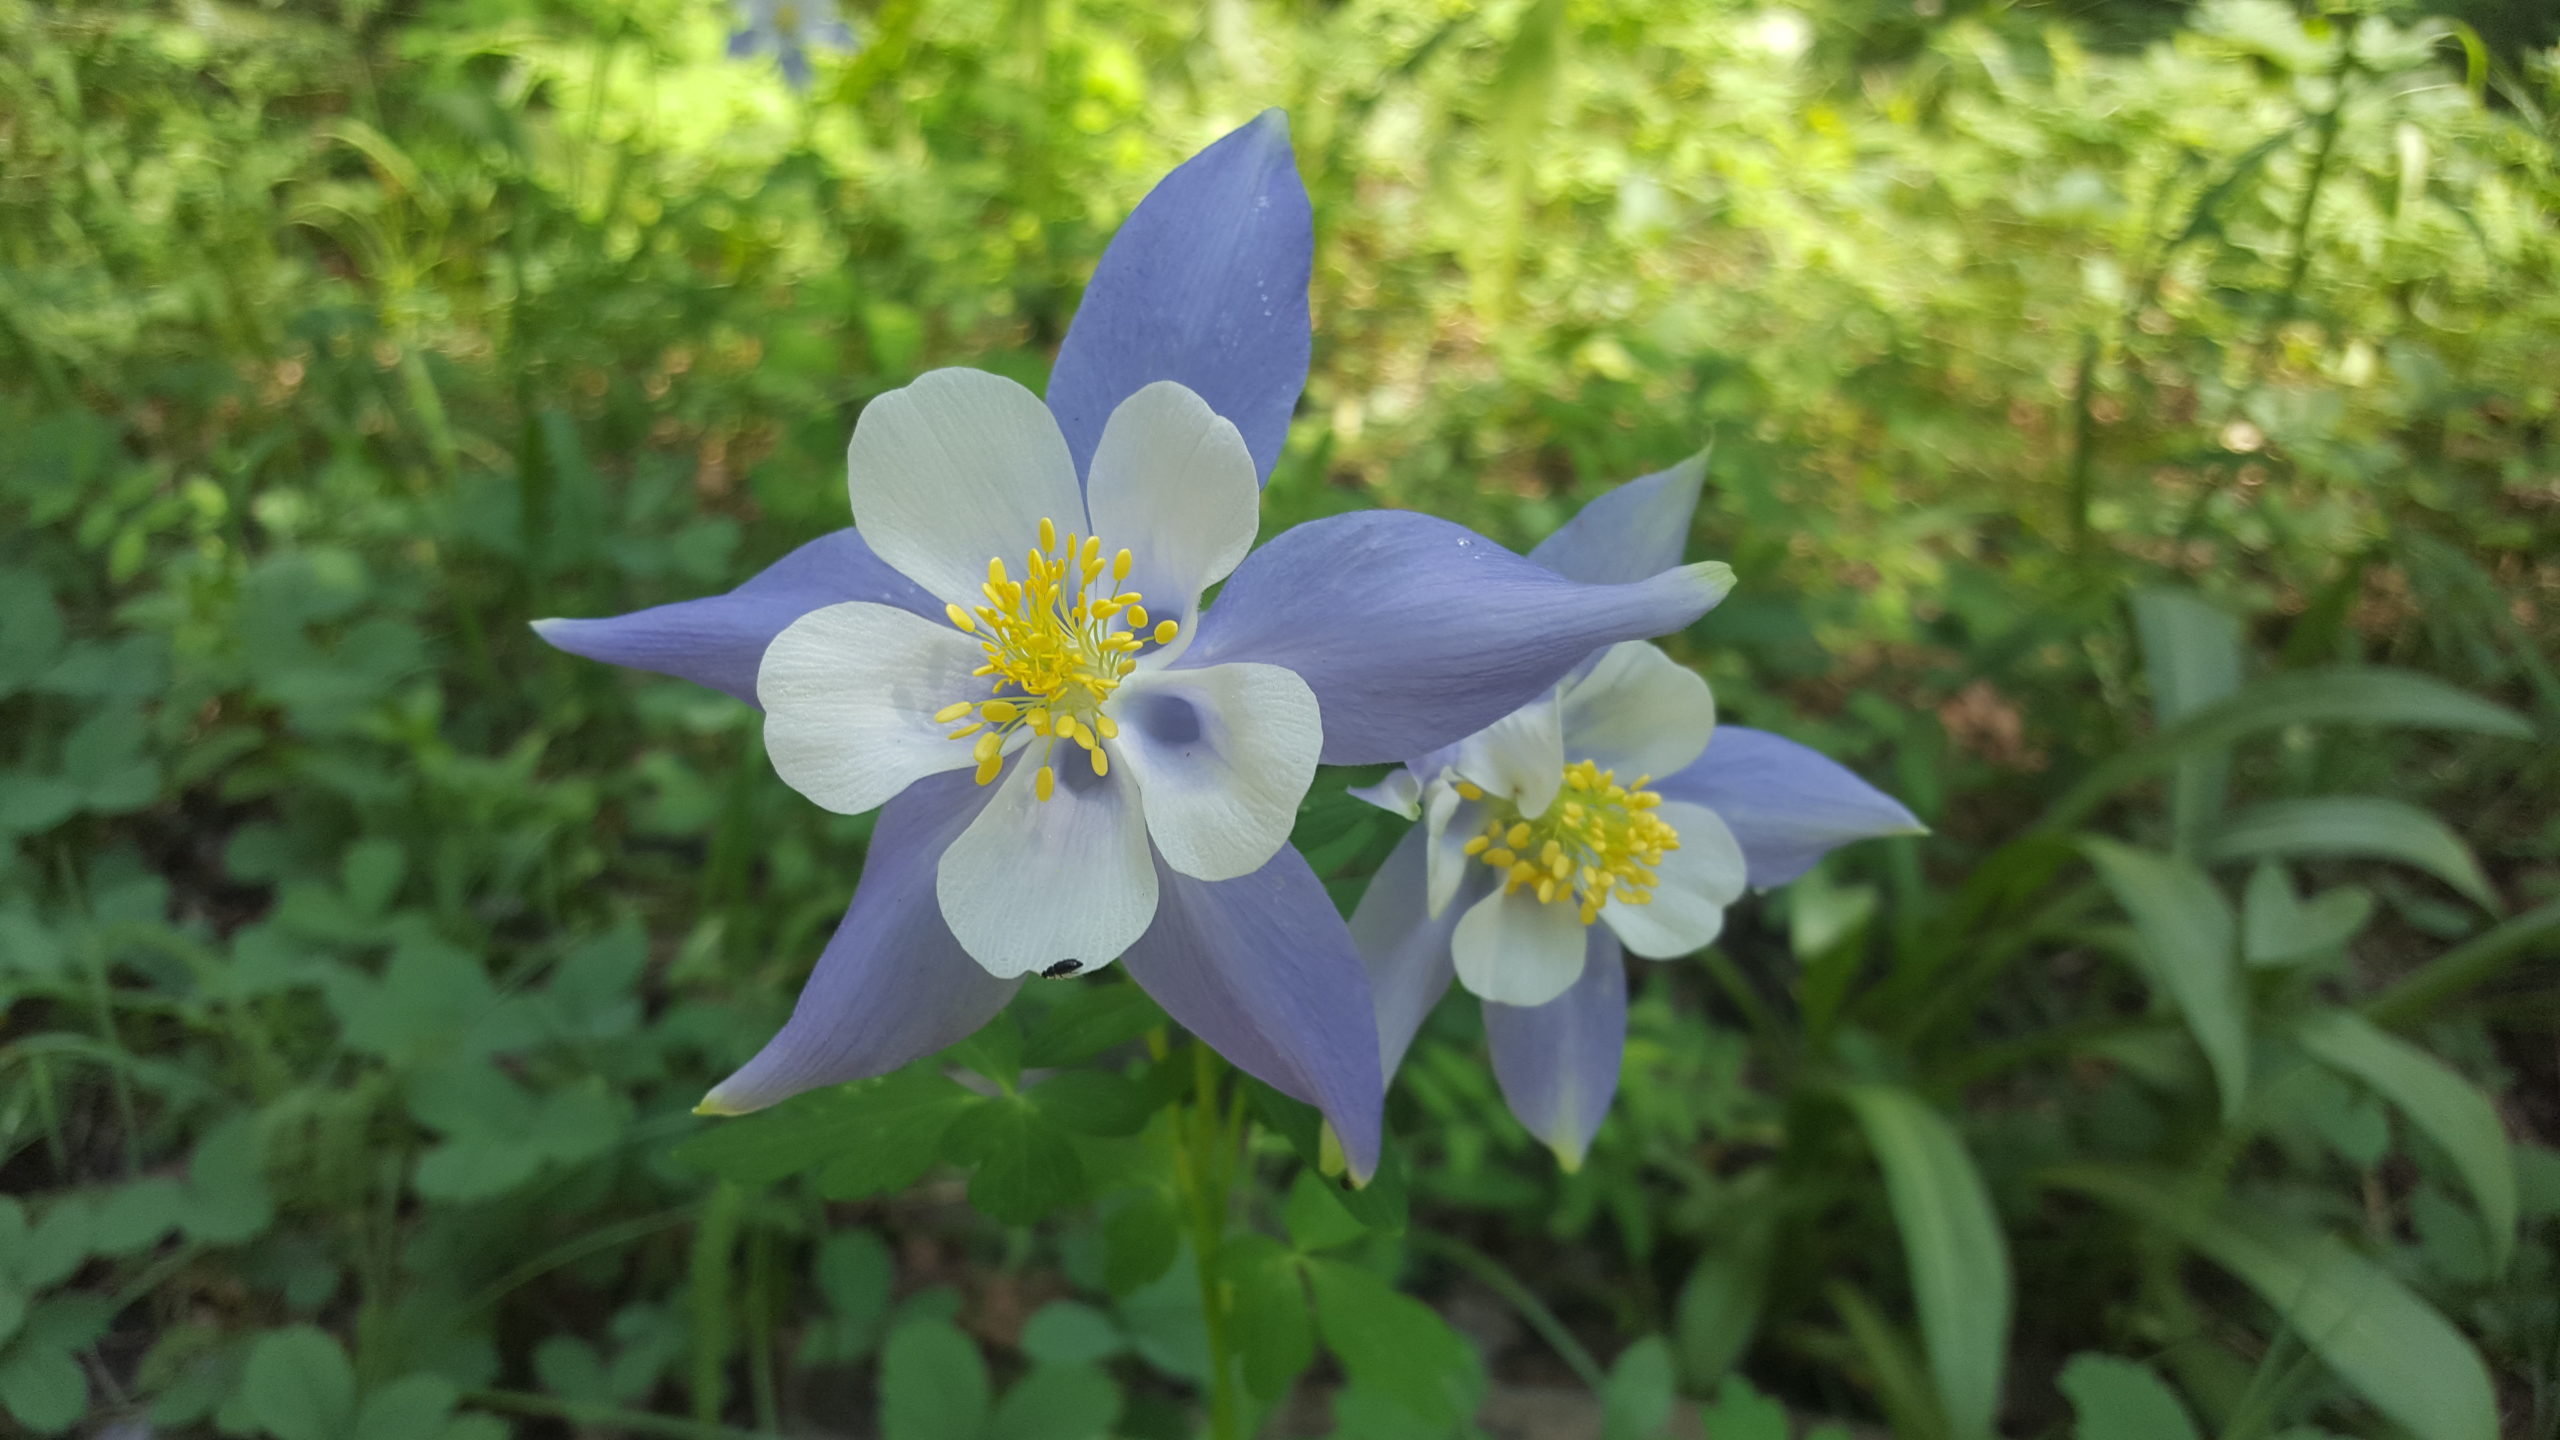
{"x": 2118, "y": 412}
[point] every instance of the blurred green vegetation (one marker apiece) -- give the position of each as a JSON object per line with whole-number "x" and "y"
{"x": 2101, "y": 396}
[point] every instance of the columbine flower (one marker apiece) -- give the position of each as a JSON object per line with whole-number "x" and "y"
{"x": 1078, "y": 762}
{"x": 789, "y": 29}
{"x": 1609, "y": 814}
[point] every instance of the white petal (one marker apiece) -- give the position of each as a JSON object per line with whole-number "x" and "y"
{"x": 1222, "y": 755}
{"x": 1398, "y": 793}
{"x": 1514, "y": 951}
{"x": 1519, "y": 757}
{"x": 1696, "y": 883}
{"x": 955, "y": 470}
{"x": 849, "y": 693}
{"x": 1639, "y": 712}
{"x": 1449, "y": 821}
{"x": 1031, "y": 883}
{"x": 1173, "y": 483}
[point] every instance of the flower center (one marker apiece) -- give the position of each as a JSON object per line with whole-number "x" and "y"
{"x": 1057, "y": 642}
{"x": 1597, "y": 843}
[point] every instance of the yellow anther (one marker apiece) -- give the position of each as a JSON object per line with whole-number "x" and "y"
{"x": 1596, "y": 845}
{"x": 995, "y": 573}
{"x": 988, "y": 747}
{"x": 1101, "y": 760}
{"x": 952, "y": 711}
{"x": 1120, "y": 564}
{"x": 960, "y": 617}
{"x": 987, "y": 770}
{"x": 999, "y": 712}
{"x": 1165, "y": 631}
{"x": 1468, "y": 790}
{"x": 1045, "y": 783}
{"x": 1109, "y": 727}
{"x": 1137, "y": 613}
{"x": 965, "y": 731}
{"x": 1048, "y": 533}
{"x": 1038, "y": 721}
{"x": 1057, "y": 642}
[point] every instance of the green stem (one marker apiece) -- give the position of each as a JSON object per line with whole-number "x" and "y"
{"x": 605, "y": 1417}
{"x": 715, "y": 1242}
{"x": 1205, "y": 1165}
{"x": 2472, "y": 963}
{"x": 1520, "y": 1297}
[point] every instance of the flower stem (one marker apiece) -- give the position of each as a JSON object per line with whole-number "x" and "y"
{"x": 1205, "y": 1163}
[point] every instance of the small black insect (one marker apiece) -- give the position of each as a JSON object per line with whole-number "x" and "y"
{"x": 1062, "y": 969}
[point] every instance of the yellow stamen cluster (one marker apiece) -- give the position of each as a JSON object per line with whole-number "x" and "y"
{"x": 1598, "y": 842}
{"x": 1057, "y": 642}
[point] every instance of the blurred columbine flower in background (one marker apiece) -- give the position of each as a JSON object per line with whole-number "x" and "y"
{"x": 1608, "y": 814}
{"x": 788, "y": 30}
{"x": 1075, "y": 762}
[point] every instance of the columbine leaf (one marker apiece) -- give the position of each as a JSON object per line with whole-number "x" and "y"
{"x": 299, "y": 1385}
{"x": 933, "y": 1384}
{"x": 1392, "y": 1344}
{"x": 1951, "y": 1239}
{"x": 2185, "y": 932}
{"x": 2119, "y": 1400}
{"x": 2362, "y": 826}
{"x": 2450, "y": 1109}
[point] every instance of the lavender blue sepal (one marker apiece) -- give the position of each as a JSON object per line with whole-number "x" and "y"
{"x": 1557, "y": 1063}
{"x": 1414, "y": 632}
{"x": 893, "y": 985}
{"x": 1262, "y": 969}
{"x": 719, "y": 640}
{"x": 1405, "y": 949}
{"x": 1632, "y": 533}
{"x": 1788, "y": 804}
{"x": 1206, "y": 284}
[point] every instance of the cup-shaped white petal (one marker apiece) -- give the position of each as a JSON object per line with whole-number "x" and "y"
{"x": 1035, "y": 882}
{"x": 1173, "y": 483}
{"x": 1638, "y": 712}
{"x": 1222, "y": 755}
{"x": 1693, "y": 886}
{"x": 1519, "y": 757}
{"x": 1514, "y": 951}
{"x": 849, "y": 693}
{"x": 1399, "y": 792}
{"x": 957, "y": 469}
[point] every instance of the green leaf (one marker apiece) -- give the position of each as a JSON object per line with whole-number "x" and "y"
{"x": 1739, "y": 1412}
{"x": 2348, "y": 695}
{"x": 1393, "y": 1344}
{"x": 933, "y": 1384}
{"x": 857, "y": 1277}
{"x": 2373, "y": 1334}
{"x": 44, "y": 1388}
{"x": 2362, "y": 826}
{"x": 30, "y": 804}
{"x": 56, "y": 1245}
{"x": 2186, "y": 934}
{"x": 1382, "y": 1204}
{"x": 1316, "y": 1219}
{"x": 2277, "y": 927}
{"x": 1951, "y": 1239}
{"x": 1095, "y": 1102}
{"x": 413, "y": 1407}
{"x": 13, "y": 1310}
{"x": 2119, "y": 1400}
{"x": 1720, "y": 1304}
{"x": 134, "y": 1216}
{"x": 1026, "y": 1167}
{"x": 1064, "y": 1332}
{"x": 1139, "y": 1240}
{"x": 2438, "y": 1100}
{"x": 227, "y": 1197}
{"x": 299, "y": 1386}
{"x": 1637, "y": 1399}
{"x": 1058, "y": 1402}
{"x": 863, "y": 1138}
{"x": 2191, "y": 650}
{"x": 1096, "y": 1016}
{"x": 1268, "y": 1308}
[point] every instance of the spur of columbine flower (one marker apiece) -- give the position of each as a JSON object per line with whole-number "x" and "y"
{"x": 1075, "y": 761}
{"x": 789, "y": 29}
{"x": 1609, "y": 814}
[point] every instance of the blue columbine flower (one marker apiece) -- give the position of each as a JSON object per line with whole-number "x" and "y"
{"x": 789, "y": 29}
{"x": 1075, "y": 761}
{"x": 1609, "y": 814}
